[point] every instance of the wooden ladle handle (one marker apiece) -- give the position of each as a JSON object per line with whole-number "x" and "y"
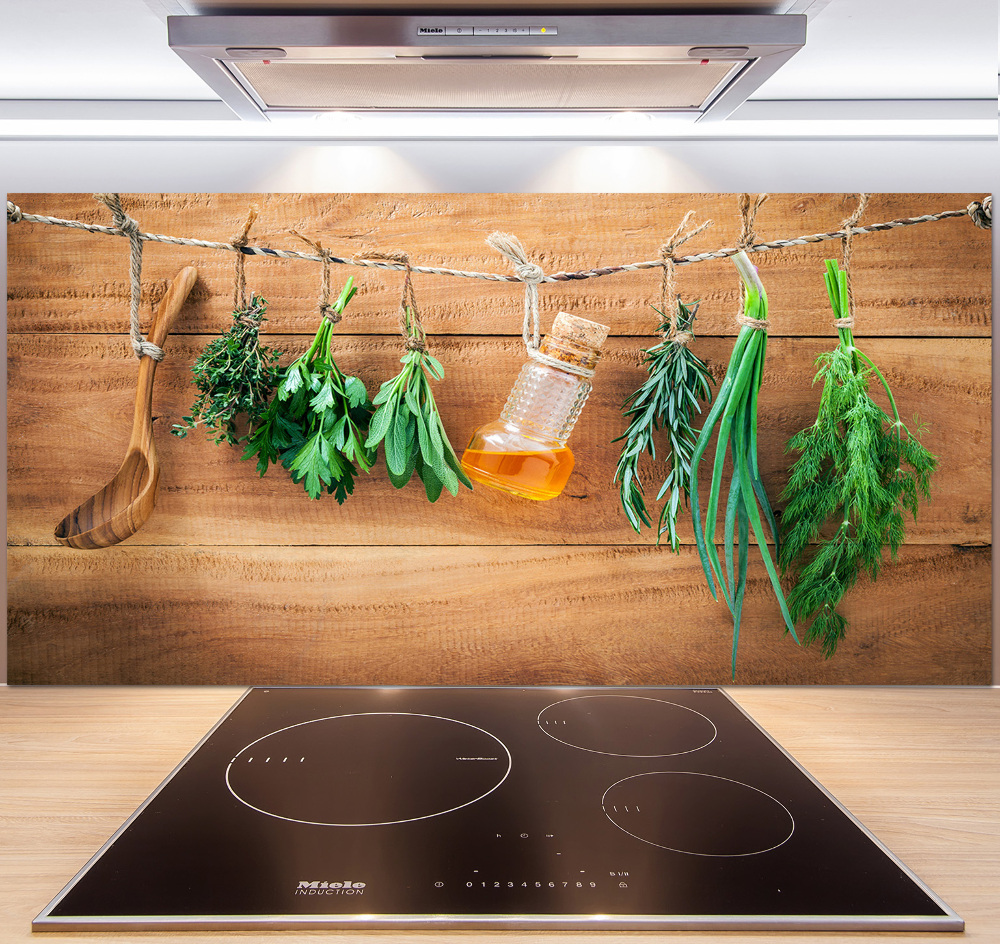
{"x": 171, "y": 304}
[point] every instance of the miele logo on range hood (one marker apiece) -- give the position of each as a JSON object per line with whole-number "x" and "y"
{"x": 703, "y": 66}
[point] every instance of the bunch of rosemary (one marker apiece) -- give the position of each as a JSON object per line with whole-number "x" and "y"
{"x": 858, "y": 468}
{"x": 735, "y": 414}
{"x": 318, "y": 420}
{"x": 234, "y": 376}
{"x": 668, "y": 399}
{"x": 408, "y": 422}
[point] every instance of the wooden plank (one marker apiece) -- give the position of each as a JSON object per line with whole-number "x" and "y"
{"x": 928, "y": 279}
{"x": 469, "y": 616}
{"x": 70, "y": 402}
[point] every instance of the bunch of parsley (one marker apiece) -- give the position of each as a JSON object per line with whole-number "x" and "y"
{"x": 234, "y": 375}
{"x": 669, "y": 398}
{"x": 859, "y": 468}
{"x": 317, "y": 423}
{"x": 408, "y": 423}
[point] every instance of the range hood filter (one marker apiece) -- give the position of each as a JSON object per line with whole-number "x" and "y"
{"x": 702, "y": 66}
{"x": 487, "y": 84}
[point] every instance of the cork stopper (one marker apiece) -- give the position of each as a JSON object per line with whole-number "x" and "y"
{"x": 579, "y": 330}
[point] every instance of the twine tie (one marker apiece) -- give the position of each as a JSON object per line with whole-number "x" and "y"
{"x": 127, "y": 226}
{"x": 530, "y": 274}
{"x": 748, "y": 217}
{"x": 668, "y": 284}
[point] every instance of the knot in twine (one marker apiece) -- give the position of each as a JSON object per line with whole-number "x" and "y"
{"x": 410, "y": 325}
{"x": 530, "y": 274}
{"x": 240, "y": 286}
{"x": 848, "y": 227}
{"x": 748, "y": 217}
{"x": 14, "y": 214}
{"x": 326, "y": 310}
{"x": 130, "y": 228}
{"x": 980, "y": 212}
{"x": 668, "y": 286}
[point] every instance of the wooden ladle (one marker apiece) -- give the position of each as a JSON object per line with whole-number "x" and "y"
{"x": 121, "y": 508}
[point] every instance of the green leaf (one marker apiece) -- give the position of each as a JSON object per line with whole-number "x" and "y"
{"x": 399, "y": 479}
{"x": 355, "y": 390}
{"x": 292, "y": 381}
{"x": 311, "y": 465}
{"x": 324, "y": 398}
{"x": 433, "y": 366}
{"x": 432, "y": 484}
{"x": 379, "y": 425}
{"x": 396, "y": 442}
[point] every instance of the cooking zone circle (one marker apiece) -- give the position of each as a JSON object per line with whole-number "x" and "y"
{"x": 699, "y": 814}
{"x": 627, "y": 726}
{"x": 369, "y": 769}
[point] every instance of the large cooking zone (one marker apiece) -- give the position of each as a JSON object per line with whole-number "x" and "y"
{"x": 588, "y": 808}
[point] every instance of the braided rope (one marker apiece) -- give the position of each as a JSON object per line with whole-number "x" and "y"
{"x": 979, "y": 212}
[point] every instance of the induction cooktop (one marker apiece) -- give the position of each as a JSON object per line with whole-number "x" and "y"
{"x": 528, "y": 808}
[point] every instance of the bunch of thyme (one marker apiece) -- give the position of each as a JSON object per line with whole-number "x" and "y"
{"x": 408, "y": 422}
{"x": 669, "y": 398}
{"x": 858, "y": 467}
{"x": 735, "y": 414}
{"x": 234, "y": 376}
{"x": 318, "y": 420}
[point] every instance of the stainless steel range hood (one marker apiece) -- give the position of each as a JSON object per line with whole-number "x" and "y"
{"x": 703, "y": 66}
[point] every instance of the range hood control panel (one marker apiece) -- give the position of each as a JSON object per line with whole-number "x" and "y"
{"x": 507, "y": 30}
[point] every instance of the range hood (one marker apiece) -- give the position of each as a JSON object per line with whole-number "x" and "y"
{"x": 703, "y": 66}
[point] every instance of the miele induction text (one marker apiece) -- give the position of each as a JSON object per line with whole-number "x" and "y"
{"x": 330, "y": 888}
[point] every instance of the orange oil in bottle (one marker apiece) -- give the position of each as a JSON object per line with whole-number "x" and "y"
{"x": 537, "y": 475}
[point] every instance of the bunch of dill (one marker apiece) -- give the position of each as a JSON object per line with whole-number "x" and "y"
{"x": 859, "y": 469}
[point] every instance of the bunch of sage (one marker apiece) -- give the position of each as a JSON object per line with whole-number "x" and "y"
{"x": 234, "y": 375}
{"x": 317, "y": 423}
{"x": 859, "y": 468}
{"x": 407, "y": 421}
{"x": 735, "y": 415}
{"x": 669, "y": 399}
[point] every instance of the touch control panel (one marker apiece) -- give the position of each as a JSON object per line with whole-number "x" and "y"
{"x": 511, "y": 29}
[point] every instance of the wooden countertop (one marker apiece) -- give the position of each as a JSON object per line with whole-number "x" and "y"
{"x": 919, "y": 767}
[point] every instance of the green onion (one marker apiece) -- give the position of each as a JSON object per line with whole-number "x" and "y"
{"x": 735, "y": 415}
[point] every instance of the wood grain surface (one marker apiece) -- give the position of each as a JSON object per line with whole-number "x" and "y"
{"x": 919, "y": 768}
{"x": 426, "y": 592}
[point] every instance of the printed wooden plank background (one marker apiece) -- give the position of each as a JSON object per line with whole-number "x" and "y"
{"x": 237, "y": 579}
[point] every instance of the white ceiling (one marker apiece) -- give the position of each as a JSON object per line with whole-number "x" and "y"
{"x": 870, "y": 50}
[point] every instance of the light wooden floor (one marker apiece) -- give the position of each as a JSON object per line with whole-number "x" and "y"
{"x": 919, "y": 767}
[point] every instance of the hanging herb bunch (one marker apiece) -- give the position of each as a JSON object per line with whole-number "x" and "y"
{"x": 669, "y": 399}
{"x": 234, "y": 375}
{"x": 860, "y": 469}
{"x": 317, "y": 423}
{"x": 408, "y": 423}
{"x": 747, "y": 506}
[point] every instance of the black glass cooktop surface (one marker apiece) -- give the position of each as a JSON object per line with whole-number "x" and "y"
{"x": 492, "y": 807}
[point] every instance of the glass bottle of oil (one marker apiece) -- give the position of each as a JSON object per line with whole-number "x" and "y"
{"x": 524, "y": 452}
